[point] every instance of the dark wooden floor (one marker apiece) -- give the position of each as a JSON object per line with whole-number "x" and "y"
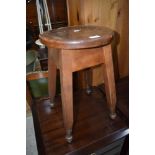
{"x": 93, "y": 128}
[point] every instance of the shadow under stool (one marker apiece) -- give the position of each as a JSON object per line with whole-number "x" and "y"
{"x": 72, "y": 49}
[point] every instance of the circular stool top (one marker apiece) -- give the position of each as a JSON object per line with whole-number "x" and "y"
{"x": 76, "y": 37}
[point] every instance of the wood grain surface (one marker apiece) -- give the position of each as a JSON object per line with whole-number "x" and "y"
{"x": 110, "y": 13}
{"x": 77, "y": 37}
{"x": 93, "y": 129}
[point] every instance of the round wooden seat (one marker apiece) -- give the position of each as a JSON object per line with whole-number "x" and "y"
{"x": 76, "y": 37}
{"x": 72, "y": 49}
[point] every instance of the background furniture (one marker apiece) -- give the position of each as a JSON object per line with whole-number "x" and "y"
{"x": 37, "y": 86}
{"x": 57, "y": 12}
{"x": 58, "y": 16}
{"x": 75, "y": 48}
{"x": 31, "y": 60}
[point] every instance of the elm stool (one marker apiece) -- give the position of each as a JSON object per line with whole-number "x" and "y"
{"x": 72, "y": 49}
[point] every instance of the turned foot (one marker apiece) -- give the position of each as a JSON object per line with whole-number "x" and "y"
{"x": 52, "y": 103}
{"x": 69, "y": 137}
{"x": 113, "y": 115}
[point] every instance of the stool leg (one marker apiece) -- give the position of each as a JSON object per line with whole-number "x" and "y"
{"x": 109, "y": 80}
{"x": 88, "y": 80}
{"x": 51, "y": 79}
{"x": 66, "y": 93}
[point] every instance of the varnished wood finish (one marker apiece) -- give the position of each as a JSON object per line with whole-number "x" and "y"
{"x": 51, "y": 77}
{"x": 109, "y": 78}
{"x": 85, "y": 58}
{"x": 93, "y": 128}
{"x": 38, "y": 131}
{"x": 58, "y": 12}
{"x": 77, "y": 37}
{"x": 122, "y": 92}
{"x": 36, "y": 75}
{"x": 77, "y": 48}
{"x": 66, "y": 89}
{"x": 110, "y": 13}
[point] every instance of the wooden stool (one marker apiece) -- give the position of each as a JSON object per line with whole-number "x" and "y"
{"x": 72, "y": 49}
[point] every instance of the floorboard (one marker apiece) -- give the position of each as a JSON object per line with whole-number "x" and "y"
{"x": 92, "y": 125}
